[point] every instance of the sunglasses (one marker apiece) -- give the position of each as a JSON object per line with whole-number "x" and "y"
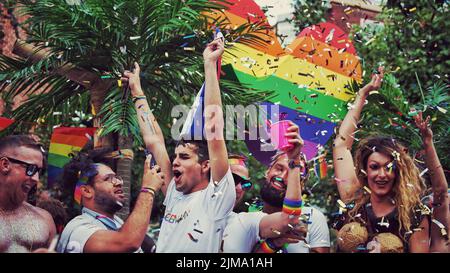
{"x": 246, "y": 184}
{"x": 31, "y": 169}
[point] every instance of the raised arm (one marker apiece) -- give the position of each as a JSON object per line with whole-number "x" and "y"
{"x": 131, "y": 235}
{"x": 344, "y": 171}
{"x": 285, "y": 223}
{"x": 438, "y": 184}
{"x": 214, "y": 122}
{"x": 150, "y": 130}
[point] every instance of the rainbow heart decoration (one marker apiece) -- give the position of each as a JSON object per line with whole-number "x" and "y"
{"x": 310, "y": 77}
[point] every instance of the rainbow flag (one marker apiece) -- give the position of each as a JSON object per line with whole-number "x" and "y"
{"x": 322, "y": 168}
{"x": 5, "y": 122}
{"x": 310, "y": 77}
{"x": 65, "y": 140}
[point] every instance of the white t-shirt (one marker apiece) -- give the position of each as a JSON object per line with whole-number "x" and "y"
{"x": 242, "y": 232}
{"x": 195, "y": 222}
{"x": 78, "y": 231}
{"x": 318, "y": 233}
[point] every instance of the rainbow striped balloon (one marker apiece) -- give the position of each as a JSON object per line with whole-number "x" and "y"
{"x": 64, "y": 141}
{"x": 310, "y": 77}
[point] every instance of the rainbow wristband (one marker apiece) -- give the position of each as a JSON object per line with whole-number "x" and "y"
{"x": 292, "y": 207}
{"x": 267, "y": 247}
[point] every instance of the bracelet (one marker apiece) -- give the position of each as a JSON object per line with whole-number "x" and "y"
{"x": 267, "y": 246}
{"x": 293, "y": 207}
{"x": 136, "y": 98}
{"x": 149, "y": 190}
{"x": 442, "y": 228}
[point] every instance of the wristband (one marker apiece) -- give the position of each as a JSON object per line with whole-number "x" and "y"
{"x": 293, "y": 207}
{"x": 442, "y": 228}
{"x": 136, "y": 98}
{"x": 267, "y": 246}
{"x": 149, "y": 190}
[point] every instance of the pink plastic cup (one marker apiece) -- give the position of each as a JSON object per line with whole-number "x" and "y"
{"x": 277, "y": 135}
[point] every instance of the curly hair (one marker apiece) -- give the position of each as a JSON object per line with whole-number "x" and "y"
{"x": 408, "y": 185}
{"x": 82, "y": 162}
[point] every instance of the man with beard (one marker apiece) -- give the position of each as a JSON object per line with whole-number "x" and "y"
{"x": 97, "y": 229}
{"x": 244, "y": 230}
{"x": 273, "y": 192}
{"x": 23, "y": 227}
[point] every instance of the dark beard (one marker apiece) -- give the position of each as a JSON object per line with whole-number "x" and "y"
{"x": 272, "y": 196}
{"x": 107, "y": 203}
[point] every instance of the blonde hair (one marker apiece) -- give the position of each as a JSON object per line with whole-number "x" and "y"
{"x": 408, "y": 186}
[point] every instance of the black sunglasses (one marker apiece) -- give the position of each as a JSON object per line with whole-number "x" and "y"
{"x": 246, "y": 184}
{"x": 31, "y": 169}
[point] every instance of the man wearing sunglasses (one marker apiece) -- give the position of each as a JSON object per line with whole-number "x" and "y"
{"x": 240, "y": 175}
{"x": 244, "y": 230}
{"x": 23, "y": 227}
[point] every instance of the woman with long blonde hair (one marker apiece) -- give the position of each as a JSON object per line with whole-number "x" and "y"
{"x": 382, "y": 189}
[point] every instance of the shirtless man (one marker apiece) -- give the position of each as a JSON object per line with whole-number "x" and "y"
{"x": 23, "y": 227}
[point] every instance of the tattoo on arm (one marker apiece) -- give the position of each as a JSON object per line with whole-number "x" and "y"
{"x": 145, "y": 116}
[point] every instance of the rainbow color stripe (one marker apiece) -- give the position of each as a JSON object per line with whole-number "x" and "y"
{"x": 237, "y": 161}
{"x": 77, "y": 193}
{"x": 292, "y": 207}
{"x": 310, "y": 77}
{"x": 322, "y": 168}
{"x": 64, "y": 141}
{"x": 266, "y": 248}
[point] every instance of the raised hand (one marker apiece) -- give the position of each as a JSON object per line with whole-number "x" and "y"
{"x": 213, "y": 50}
{"x": 374, "y": 84}
{"x": 424, "y": 128}
{"x": 295, "y": 139}
{"x": 133, "y": 80}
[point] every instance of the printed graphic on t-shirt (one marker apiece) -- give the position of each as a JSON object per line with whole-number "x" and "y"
{"x": 172, "y": 218}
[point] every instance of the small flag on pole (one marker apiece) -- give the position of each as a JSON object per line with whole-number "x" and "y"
{"x": 321, "y": 167}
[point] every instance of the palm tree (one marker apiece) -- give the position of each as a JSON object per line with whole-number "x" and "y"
{"x": 79, "y": 48}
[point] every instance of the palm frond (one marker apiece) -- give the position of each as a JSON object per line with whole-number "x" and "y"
{"x": 119, "y": 116}
{"x": 106, "y": 37}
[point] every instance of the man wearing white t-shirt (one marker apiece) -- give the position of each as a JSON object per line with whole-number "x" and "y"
{"x": 245, "y": 230}
{"x": 201, "y": 193}
{"x": 272, "y": 193}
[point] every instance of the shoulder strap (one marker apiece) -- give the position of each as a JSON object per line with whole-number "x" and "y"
{"x": 370, "y": 218}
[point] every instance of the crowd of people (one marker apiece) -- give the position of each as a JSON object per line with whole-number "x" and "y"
{"x": 380, "y": 187}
